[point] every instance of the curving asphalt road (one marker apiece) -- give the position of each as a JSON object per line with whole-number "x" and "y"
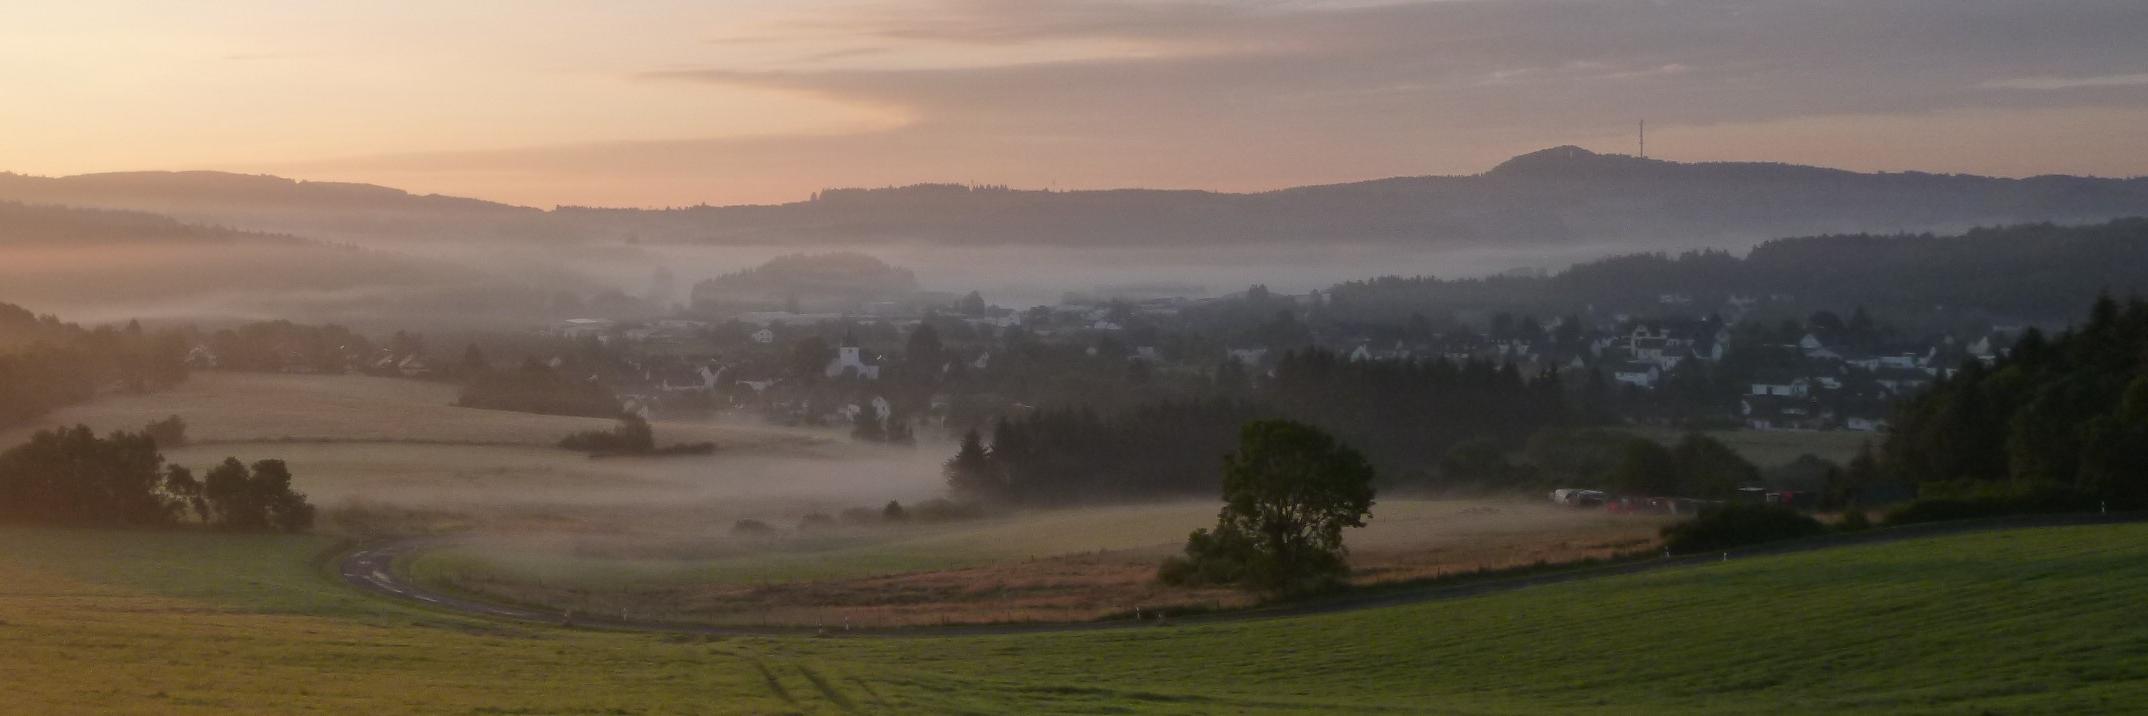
{"x": 371, "y": 569}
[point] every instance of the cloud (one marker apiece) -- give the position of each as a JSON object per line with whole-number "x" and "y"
{"x": 1215, "y": 93}
{"x": 2066, "y": 83}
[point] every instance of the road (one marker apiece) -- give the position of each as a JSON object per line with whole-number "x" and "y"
{"x": 371, "y": 569}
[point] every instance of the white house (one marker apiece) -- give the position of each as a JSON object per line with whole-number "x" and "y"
{"x": 764, "y": 336}
{"x": 848, "y": 359}
{"x": 1794, "y": 388}
{"x": 1637, "y": 374}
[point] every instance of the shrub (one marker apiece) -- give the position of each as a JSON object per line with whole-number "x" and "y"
{"x": 815, "y": 521}
{"x": 1737, "y": 526}
{"x": 894, "y": 512}
{"x": 751, "y": 528}
{"x": 1956, "y": 502}
{"x": 168, "y": 433}
{"x": 861, "y": 515}
{"x": 1854, "y": 521}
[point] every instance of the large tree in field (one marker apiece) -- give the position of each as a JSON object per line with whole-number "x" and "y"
{"x": 1288, "y": 492}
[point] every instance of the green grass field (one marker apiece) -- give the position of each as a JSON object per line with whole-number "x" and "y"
{"x": 2033, "y": 621}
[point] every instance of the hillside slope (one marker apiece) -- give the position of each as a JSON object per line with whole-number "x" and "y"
{"x": 2031, "y": 621}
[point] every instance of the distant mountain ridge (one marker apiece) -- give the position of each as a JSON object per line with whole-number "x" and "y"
{"x": 1554, "y": 196}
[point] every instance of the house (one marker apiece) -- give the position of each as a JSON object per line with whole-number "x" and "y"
{"x": 764, "y": 336}
{"x": 1863, "y": 424}
{"x": 1248, "y": 356}
{"x": 412, "y": 367}
{"x": 1788, "y": 388}
{"x": 1637, "y": 374}
{"x": 848, "y": 359}
{"x": 583, "y": 327}
{"x": 1772, "y": 412}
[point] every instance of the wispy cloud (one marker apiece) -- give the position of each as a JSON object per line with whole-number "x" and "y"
{"x": 2066, "y": 83}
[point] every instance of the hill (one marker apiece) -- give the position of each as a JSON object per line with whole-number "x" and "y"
{"x": 101, "y": 265}
{"x": 324, "y": 210}
{"x": 2039, "y": 273}
{"x": 1555, "y": 196}
{"x": 2029, "y": 621}
{"x": 1559, "y": 195}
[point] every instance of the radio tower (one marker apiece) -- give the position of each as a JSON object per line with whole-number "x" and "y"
{"x": 1644, "y": 139}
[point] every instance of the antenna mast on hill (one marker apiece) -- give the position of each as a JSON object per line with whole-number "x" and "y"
{"x": 1644, "y": 139}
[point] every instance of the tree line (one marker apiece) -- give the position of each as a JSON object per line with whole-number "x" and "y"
{"x": 46, "y": 363}
{"x": 1404, "y": 415}
{"x": 2056, "y": 416}
{"x": 72, "y": 477}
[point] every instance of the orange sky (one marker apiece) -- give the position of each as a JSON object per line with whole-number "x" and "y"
{"x": 674, "y": 103}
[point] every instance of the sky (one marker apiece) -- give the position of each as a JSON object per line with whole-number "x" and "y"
{"x": 671, "y": 103}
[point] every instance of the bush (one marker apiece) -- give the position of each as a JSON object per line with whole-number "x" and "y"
{"x": 1854, "y": 521}
{"x": 814, "y": 521}
{"x": 2035, "y": 500}
{"x": 1737, "y": 526}
{"x": 861, "y": 516}
{"x": 894, "y": 512}
{"x": 168, "y": 433}
{"x": 751, "y": 528}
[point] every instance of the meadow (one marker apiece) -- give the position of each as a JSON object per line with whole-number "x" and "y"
{"x": 2028, "y": 621}
{"x": 1061, "y": 565}
{"x": 231, "y": 407}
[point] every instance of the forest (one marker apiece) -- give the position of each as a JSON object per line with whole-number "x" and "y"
{"x": 2059, "y": 422}
{"x": 2027, "y": 273}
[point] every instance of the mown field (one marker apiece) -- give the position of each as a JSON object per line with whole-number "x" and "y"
{"x": 2031, "y": 621}
{"x": 1062, "y": 565}
{"x": 226, "y": 407}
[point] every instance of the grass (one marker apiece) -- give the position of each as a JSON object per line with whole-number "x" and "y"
{"x": 2031, "y": 621}
{"x": 1064, "y": 565}
{"x": 224, "y": 407}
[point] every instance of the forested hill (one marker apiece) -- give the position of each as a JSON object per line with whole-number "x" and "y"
{"x": 1562, "y": 195}
{"x": 2030, "y": 272}
{"x": 1559, "y": 195}
{"x": 322, "y": 210}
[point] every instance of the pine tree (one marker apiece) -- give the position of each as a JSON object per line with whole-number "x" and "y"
{"x": 970, "y": 473}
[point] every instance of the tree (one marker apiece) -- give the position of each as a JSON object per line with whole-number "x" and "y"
{"x": 809, "y": 358}
{"x": 1645, "y": 468}
{"x": 169, "y": 432}
{"x": 971, "y": 305}
{"x": 231, "y": 500}
{"x": 474, "y": 361}
{"x": 1708, "y": 468}
{"x": 1288, "y": 491}
{"x": 924, "y": 355}
{"x": 179, "y": 482}
{"x": 971, "y": 474}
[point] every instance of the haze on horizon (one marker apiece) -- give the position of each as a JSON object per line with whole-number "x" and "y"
{"x": 667, "y": 102}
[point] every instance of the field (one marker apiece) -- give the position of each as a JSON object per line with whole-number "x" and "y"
{"x": 221, "y": 407}
{"x": 392, "y": 455}
{"x": 1774, "y": 448}
{"x": 2033, "y": 621}
{"x": 1050, "y": 566}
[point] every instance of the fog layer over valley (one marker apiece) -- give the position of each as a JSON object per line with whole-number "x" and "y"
{"x": 391, "y": 456}
{"x": 436, "y": 261}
